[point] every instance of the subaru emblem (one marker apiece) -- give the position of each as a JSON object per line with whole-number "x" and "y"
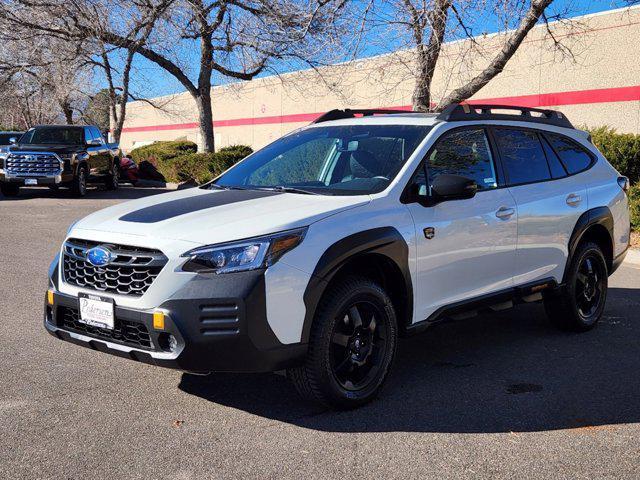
{"x": 99, "y": 256}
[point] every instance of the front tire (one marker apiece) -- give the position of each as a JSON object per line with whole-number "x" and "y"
{"x": 352, "y": 344}
{"x": 79, "y": 185}
{"x": 9, "y": 189}
{"x": 113, "y": 181}
{"x": 578, "y": 306}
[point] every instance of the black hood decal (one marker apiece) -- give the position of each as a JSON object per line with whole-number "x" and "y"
{"x": 182, "y": 206}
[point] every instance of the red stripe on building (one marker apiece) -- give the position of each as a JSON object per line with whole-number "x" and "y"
{"x": 577, "y": 97}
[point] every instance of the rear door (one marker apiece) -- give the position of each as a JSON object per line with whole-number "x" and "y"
{"x": 549, "y": 202}
{"x": 465, "y": 248}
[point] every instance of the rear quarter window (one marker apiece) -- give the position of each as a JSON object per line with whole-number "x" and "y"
{"x": 573, "y": 156}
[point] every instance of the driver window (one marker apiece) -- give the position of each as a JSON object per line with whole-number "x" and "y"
{"x": 302, "y": 165}
{"x": 465, "y": 153}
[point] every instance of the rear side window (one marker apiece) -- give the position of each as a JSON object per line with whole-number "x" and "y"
{"x": 466, "y": 153}
{"x": 557, "y": 170}
{"x": 574, "y": 157}
{"x": 522, "y": 156}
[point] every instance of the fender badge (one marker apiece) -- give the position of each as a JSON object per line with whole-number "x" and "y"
{"x": 429, "y": 233}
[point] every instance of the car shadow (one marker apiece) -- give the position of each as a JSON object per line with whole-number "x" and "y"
{"x": 125, "y": 192}
{"x": 508, "y": 372}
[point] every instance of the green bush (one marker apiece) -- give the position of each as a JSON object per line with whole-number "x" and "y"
{"x": 634, "y": 206}
{"x": 621, "y": 149}
{"x": 158, "y": 151}
{"x": 178, "y": 161}
{"x": 238, "y": 150}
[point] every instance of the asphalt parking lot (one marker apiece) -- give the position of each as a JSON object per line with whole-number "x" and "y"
{"x": 498, "y": 396}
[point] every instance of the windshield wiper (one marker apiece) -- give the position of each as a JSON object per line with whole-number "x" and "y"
{"x": 282, "y": 188}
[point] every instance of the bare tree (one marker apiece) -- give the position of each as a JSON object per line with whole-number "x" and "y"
{"x": 43, "y": 81}
{"x": 416, "y": 32}
{"x": 236, "y": 39}
{"x": 118, "y": 94}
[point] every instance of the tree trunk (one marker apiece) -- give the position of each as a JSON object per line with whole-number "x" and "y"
{"x": 122, "y": 113}
{"x": 67, "y": 111}
{"x": 205, "y": 119}
{"x": 421, "y": 99}
{"x": 427, "y": 55}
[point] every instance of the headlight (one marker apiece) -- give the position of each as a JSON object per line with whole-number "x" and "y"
{"x": 242, "y": 255}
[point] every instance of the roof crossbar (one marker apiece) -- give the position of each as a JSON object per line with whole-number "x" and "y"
{"x": 349, "y": 113}
{"x": 465, "y": 111}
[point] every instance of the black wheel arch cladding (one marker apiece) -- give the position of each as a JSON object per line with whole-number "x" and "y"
{"x": 595, "y": 218}
{"x": 386, "y": 242}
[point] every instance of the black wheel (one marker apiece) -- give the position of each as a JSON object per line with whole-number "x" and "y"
{"x": 10, "y": 189}
{"x": 579, "y": 304}
{"x": 79, "y": 185}
{"x": 351, "y": 347}
{"x": 112, "y": 181}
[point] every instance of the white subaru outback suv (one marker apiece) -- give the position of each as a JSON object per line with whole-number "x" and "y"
{"x": 315, "y": 253}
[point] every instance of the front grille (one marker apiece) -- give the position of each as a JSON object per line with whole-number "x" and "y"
{"x": 131, "y": 271}
{"x": 33, "y": 164}
{"x": 133, "y": 334}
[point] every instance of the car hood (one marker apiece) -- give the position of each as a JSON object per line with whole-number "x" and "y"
{"x": 46, "y": 148}
{"x": 213, "y": 216}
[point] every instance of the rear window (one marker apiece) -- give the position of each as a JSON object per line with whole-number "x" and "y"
{"x": 574, "y": 157}
{"x": 522, "y": 155}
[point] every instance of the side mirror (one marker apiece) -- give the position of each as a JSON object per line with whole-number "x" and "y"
{"x": 453, "y": 187}
{"x": 13, "y": 140}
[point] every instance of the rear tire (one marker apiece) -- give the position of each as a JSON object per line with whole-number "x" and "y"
{"x": 352, "y": 344}
{"x": 10, "y": 189}
{"x": 578, "y": 305}
{"x": 79, "y": 185}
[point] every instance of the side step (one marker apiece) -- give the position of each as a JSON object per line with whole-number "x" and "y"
{"x": 494, "y": 302}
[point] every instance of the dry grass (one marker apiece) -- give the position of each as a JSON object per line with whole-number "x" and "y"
{"x": 635, "y": 239}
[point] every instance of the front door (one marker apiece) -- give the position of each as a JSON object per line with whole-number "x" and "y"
{"x": 465, "y": 248}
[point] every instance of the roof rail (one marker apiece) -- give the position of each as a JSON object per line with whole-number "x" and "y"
{"x": 349, "y": 113}
{"x": 465, "y": 111}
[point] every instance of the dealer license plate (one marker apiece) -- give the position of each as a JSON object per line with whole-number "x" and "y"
{"x": 96, "y": 311}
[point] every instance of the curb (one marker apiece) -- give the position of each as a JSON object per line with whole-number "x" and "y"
{"x": 633, "y": 257}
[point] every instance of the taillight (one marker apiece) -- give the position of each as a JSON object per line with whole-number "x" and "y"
{"x": 624, "y": 183}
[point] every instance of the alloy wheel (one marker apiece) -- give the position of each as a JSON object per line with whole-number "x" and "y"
{"x": 590, "y": 285}
{"x": 358, "y": 345}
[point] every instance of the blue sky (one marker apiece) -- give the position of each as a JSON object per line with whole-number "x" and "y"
{"x": 150, "y": 80}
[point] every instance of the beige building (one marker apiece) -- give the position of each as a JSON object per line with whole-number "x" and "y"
{"x": 597, "y": 83}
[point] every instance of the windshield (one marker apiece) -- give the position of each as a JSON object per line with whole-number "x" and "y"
{"x": 342, "y": 160}
{"x": 53, "y": 136}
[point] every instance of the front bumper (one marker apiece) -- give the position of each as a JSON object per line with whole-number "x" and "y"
{"x": 42, "y": 180}
{"x": 219, "y": 323}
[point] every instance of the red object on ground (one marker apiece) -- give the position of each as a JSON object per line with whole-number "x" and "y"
{"x": 128, "y": 170}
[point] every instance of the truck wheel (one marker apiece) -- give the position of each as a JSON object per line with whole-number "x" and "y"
{"x": 79, "y": 184}
{"x": 351, "y": 347}
{"x": 10, "y": 189}
{"x": 112, "y": 182}
{"x": 579, "y": 304}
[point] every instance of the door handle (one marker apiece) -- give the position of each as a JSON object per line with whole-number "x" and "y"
{"x": 573, "y": 200}
{"x": 504, "y": 213}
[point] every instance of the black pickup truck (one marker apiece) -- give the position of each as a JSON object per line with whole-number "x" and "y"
{"x": 59, "y": 156}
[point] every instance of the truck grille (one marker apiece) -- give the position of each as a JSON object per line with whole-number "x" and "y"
{"x": 131, "y": 271}
{"x": 34, "y": 164}
{"x": 133, "y": 334}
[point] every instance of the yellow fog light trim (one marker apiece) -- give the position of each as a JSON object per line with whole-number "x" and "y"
{"x": 158, "y": 320}
{"x": 50, "y": 297}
